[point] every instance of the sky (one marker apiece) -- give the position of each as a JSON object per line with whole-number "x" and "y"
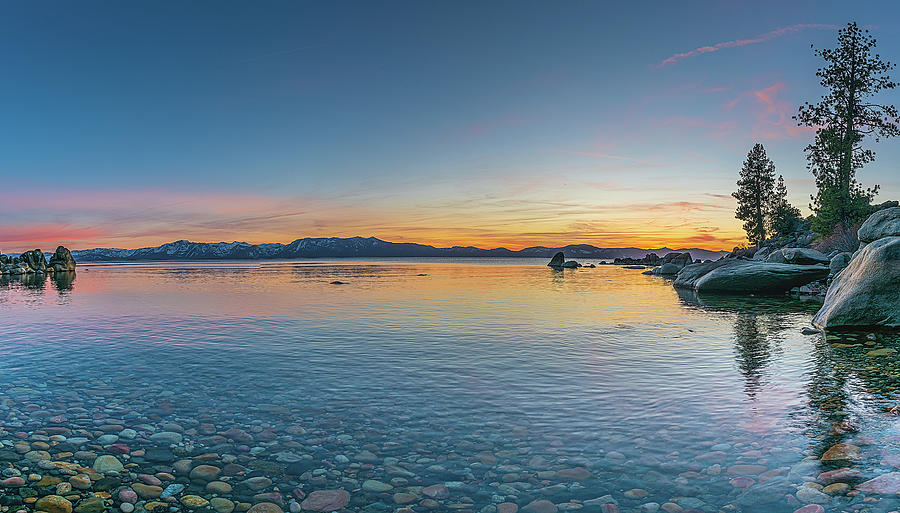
{"x": 513, "y": 124}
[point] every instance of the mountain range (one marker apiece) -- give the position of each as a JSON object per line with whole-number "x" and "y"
{"x": 362, "y": 247}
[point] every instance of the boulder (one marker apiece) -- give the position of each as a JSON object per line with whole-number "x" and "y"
{"x": 761, "y": 254}
{"x": 865, "y": 293}
{"x": 776, "y": 257}
{"x": 884, "y": 223}
{"x": 804, "y": 256}
{"x": 667, "y": 269}
{"x": 679, "y": 259}
{"x": 571, "y": 264}
{"x": 61, "y": 260}
{"x": 557, "y": 261}
{"x": 839, "y": 262}
{"x": 34, "y": 259}
{"x": 731, "y": 276}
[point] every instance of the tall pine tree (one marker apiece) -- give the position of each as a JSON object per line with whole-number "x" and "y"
{"x": 783, "y": 217}
{"x": 754, "y": 195}
{"x": 842, "y": 119}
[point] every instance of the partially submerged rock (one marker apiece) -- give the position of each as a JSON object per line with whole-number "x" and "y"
{"x": 732, "y": 276}
{"x": 559, "y": 262}
{"x": 62, "y": 260}
{"x": 867, "y": 292}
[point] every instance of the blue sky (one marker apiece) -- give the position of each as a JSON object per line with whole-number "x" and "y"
{"x": 495, "y": 124}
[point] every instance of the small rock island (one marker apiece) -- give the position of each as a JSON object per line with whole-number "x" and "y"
{"x": 34, "y": 262}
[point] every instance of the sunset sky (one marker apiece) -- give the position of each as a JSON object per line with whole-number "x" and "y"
{"x": 129, "y": 124}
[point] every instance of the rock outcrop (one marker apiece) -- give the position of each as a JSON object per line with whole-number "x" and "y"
{"x": 734, "y": 276}
{"x": 671, "y": 264}
{"x": 33, "y": 262}
{"x": 867, "y": 292}
{"x": 559, "y": 262}
{"x": 804, "y": 256}
{"x": 881, "y": 224}
{"x": 62, "y": 260}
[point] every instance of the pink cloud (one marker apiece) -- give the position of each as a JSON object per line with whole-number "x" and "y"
{"x": 48, "y": 232}
{"x": 762, "y": 38}
{"x": 773, "y": 120}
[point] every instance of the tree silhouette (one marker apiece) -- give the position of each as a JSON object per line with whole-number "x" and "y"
{"x": 843, "y": 117}
{"x": 754, "y": 194}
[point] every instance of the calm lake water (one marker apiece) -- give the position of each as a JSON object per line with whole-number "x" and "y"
{"x": 505, "y": 381}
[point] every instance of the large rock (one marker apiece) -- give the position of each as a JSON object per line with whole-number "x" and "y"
{"x": 881, "y": 224}
{"x": 667, "y": 269}
{"x": 865, "y": 293}
{"x": 557, "y": 261}
{"x": 679, "y": 259}
{"x": 34, "y": 259}
{"x": 732, "y": 276}
{"x": 62, "y": 260}
{"x": 839, "y": 262}
{"x": 776, "y": 257}
{"x": 804, "y": 256}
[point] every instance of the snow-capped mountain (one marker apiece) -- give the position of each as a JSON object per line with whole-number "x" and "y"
{"x": 336, "y": 247}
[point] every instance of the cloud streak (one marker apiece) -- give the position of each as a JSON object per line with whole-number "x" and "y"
{"x": 762, "y": 38}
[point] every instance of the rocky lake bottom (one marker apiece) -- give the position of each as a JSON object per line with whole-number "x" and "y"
{"x": 421, "y": 385}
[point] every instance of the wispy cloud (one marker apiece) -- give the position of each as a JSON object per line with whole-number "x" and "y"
{"x": 772, "y": 112}
{"x": 762, "y": 38}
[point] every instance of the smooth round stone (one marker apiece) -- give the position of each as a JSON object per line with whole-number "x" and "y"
{"x": 149, "y": 480}
{"x": 53, "y": 504}
{"x": 172, "y": 490}
{"x": 219, "y": 487}
{"x": 636, "y": 493}
{"x": 257, "y": 483}
{"x": 107, "y": 463}
{"x": 80, "y": 481}
{"x": 127, "y": 495}
{"x": 13, "y": 482}
{"x": 837, "y": 489}
{"x": 404, "y": 497}
{"x": 37, "y": 455}
{"x": 128, "y": 433}
{"x": 436, "y": 492}
{"x": 650, "y": 507}
{"x": 265, "y": 507}
{"x": 194, "y": 501}
{"x": 166, "y": 437}
{"x": 324, "y": 501}
{"x": 91, "y": 505}
{"x": 107, "y": 439}
{"x": 147, "y": 491}
{"x": 373, "y": 486}
{"x": 507, "y": 507}
{"x": 810, "y": 508}
{"x": 126, "y": 507}
{"x": 540, "y": 506}
{"x": 205, "y": 473}
{"x": 221, "y": 505}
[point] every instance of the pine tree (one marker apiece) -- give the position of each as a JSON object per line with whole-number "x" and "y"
{"x": 842, "y": 119}
{"x": 754, "y": 194}
{"x": 783, "y": 217}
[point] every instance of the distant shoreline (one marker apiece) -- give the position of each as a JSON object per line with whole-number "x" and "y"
{"x": 359, "y": 247}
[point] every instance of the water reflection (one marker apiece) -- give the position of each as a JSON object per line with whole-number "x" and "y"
{"x": 467, "y": 374}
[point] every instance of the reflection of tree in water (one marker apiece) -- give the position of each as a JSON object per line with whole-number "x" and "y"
{"x": 753, "y": 351}
{"x": 758, "y": 326}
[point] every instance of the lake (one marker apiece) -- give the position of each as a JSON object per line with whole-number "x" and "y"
{"x": 418, "y": 385}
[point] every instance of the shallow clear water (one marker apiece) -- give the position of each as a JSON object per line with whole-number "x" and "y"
{"x": 486, "y": 375}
